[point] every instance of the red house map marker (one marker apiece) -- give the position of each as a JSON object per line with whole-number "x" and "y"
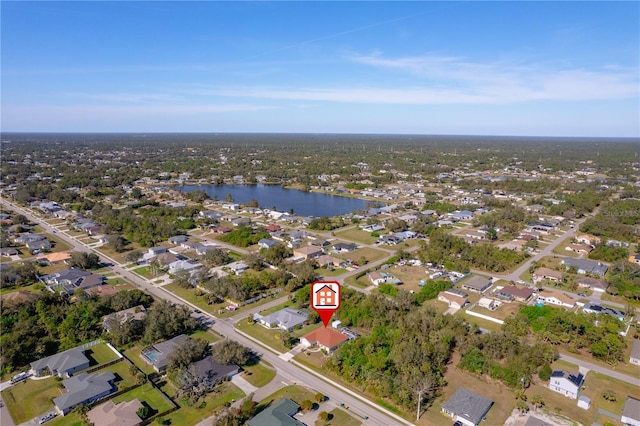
{"x": 325, "y": 299}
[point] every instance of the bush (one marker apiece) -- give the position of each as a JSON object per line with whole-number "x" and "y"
{"x": 545, "y": 372}
{"x": 306, "y": 405}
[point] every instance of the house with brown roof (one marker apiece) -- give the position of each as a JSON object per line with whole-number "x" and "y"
{"x": 54, "y": 258}
{"x": 546, "y": 274}
{"x": 110, "y": 414}
{"x": 308, "y": 252}
{"x": 594, "y": 284}
{"x": 453, "y": 298}
{"x": 325, "y": 338}
{"x": 510, "y": 293}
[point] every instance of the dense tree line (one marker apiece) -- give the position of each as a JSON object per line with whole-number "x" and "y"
{"x": 49, "y": 323}
{"x": 624, "y": 279}
{"x": 599, "y": 335}
{"x": 456, "y": 254}
{"x": 244, "y": 236}
{"x": 617, "y": 220}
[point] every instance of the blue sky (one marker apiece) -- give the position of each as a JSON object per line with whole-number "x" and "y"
{"x": 493, "y": 68}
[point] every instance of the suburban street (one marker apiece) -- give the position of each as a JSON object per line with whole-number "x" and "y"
{"x": 359, "y": 406}
{"x": 288, "y": 371}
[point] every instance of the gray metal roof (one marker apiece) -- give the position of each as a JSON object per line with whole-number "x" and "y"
{"x": 62, "y": 361}
{"x": 468, "y": 405}
{"x": 589, "y": 266}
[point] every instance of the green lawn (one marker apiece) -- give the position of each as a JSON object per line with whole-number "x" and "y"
{"x": 259, "y": 374}
{"x": 368, "y": 253}
{"x": 207, "y": 335}
{"x": 71, "y": 419}
{"x": 226, "y": 392}
{"x": 324, "y": 272}
{"x": 294, "y": 393}
{"x": 100, "y": 354}
{"x": 357, "y": 235}
{"x": 338, "y": 417}
{"x": 271, "y": 337}
{"x": 144, "y": 271}
{"x": 124, "y": 379}
{"x": 31, "y": 398}
{"x": 133, "y": 354}
{"x": 146, "y": 393}
{"x": 116, "y": 281}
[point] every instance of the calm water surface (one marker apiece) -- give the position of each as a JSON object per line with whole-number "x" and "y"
{"x": 274, "y": 196}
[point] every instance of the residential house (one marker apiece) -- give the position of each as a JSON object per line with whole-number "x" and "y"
{"x": 343, "y": 247}
{"x": 328, "y": 261}
{"x": 584, "y": 266}
{"x": 110, "y": 414}
{"x": 73, "y": 279}
{"x": 85, "y": 389}
{"x": 510, "y": 293}
{"x": 238, "y": 267}
{"x": 54, "y": 258}
{"x": 454, "y": 298}
{"x": 308, "y": 252}
{"x": 546, "y": 274}
{"x": 631, "y": 412}
{"x": 556, "y": 298}
{"x": 279, "y": 413}
{"x": 389, "y": 239}
{"x": 325, "y": 338}
{"x": 273, "y": 228}
{"x": 467, "y": 407}
{"x": 634, "y": 356}
{"x": 567, "y": 384}
{"x": 374, "y": 227}
{"x": 158, "y": 355}
{"x": 62, "y": 364}
{"x": 488, "y": 303}
{"x": 266, "y": 243}
{"x": 25, "y": 238}
{"x": 165, "y": 259}
{"x": 579, "y": 248}
{"x": 202, "y": 249}
{"x": 178, "y": 239}
{"x": 588, "y": 239}
{"x": 285, "y": 319}
{"x": 183, "y": 265}
{"x": 137, "y": 313}
{"x": 406, "y": 235}
{"x": 9, "y": 251}
{"x": 154, "y": 251}
{"x": 477, "y": 284}
{"x": 594, "y": 308}
{"x": 594, "y": 284}
{"x": 207, "y": 372}
{"x": 36, "y": 247}
{"x": 461, "y": 215}
{"x": 377, "y": 278}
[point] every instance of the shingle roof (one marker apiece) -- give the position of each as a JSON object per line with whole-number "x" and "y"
{"x": 326, "y": 337}
{"x": 631, "y": 408}
{"x": 468, "y": 405}
{"x": 588, "y": 266}
{"x": 62, "y": 361}
{"x": 84, "y": 387}
{"x": 286, "y": 317}
{"x": 279, "y": 414}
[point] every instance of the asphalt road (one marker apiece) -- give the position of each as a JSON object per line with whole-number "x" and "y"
{"x": 359, "y": 406}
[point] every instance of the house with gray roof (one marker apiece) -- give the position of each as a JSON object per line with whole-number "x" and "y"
{"x": 631, "y": 412}
{"x": 467, "y": 407}
{"x": 63, "y": 364}
{"x": 477, "y": 284}
{"x": 158, "y": 355}
{"x": 585, "y": 266}
{"x": 207, "y": 372}
{"x": 85, "y": 389}
{"x": 634, "y": 356}
{"x": 285, "y": 319}
{"x": 279, "y": 414}
{"x": 567, "y": 384}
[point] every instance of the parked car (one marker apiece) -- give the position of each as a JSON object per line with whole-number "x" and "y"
{"x": 46, "y": 418}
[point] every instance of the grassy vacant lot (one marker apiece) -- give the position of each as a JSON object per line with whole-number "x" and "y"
{"x": 502, "y": 397}
{"x": 368, "y": 253}
{"x": 480, "y": 322}
{"x": 357, "y": 235}
{"x": 339, "y": 417}
{"x": 207, "y": 335}
{"x": 146, "y": 393}
{"x": 31, "y": 398}
{"x": 330, "y": 272}
{"x": 503, "y": 312}
{"x": 100, "y": 354}
{"x": 145, "y": 271}
{"x": 409, "y": 275}
{"x": 226, "y": 392}
{"x": 271, "y": 337}
{"x": 259, "y": 374}
{"x": 362, "y": 282}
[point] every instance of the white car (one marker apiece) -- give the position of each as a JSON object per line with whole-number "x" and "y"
{"x": 46, "y": 418}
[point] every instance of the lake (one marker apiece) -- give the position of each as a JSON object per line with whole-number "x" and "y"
{"x": 281, "y": 199}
